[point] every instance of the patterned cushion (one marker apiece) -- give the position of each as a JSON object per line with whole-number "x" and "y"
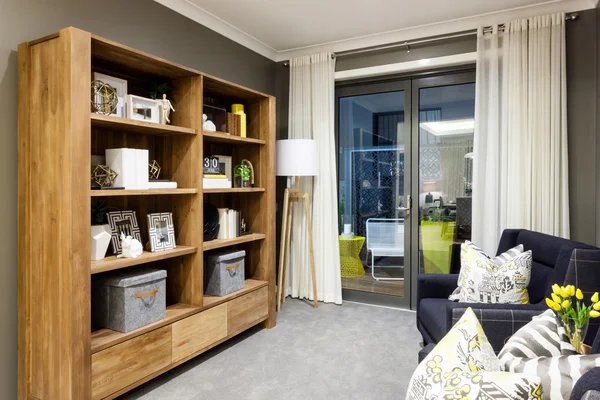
{"x": 493, "y": 385}
{"x": 483, "y": 281}
{"x": 498, "y": 260}
{"x": 541, "y": 347}
{"x": 463, "y": 366}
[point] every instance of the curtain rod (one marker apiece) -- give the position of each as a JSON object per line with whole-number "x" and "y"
{"x": 408, "y": 44}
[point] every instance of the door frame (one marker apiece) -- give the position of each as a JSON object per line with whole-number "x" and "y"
{"x": 343, "y": 90}
{"x": 457, "y": 78}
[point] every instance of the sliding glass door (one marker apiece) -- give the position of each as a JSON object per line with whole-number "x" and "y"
{"x": 374, "y": 136}
{"x": 405, "y": 165}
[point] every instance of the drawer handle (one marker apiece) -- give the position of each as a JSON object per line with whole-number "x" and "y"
{"x": 230, "y": 267}
{"x": 146, "y": 294}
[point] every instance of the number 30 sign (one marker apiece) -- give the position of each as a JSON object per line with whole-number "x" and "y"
{"x": 211, "y": 166}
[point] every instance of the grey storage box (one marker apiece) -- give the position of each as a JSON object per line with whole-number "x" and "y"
{"x": 130, "y": 300}
{"x": 224, "y": 273}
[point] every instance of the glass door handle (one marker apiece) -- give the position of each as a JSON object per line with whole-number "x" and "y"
{"x": 408, "y": 205}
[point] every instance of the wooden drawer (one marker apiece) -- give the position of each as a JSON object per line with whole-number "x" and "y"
{"x": 194, "y": 333}
{"x": 127, "y": 362}
{"x": 245, "y": 311}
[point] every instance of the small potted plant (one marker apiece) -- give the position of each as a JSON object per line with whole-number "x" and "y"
{"x": 101, "y": 232}
{"x": 567, "y": 302}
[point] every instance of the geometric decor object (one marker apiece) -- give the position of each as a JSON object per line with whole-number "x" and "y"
{"x": 161, "y": 231}
{"x": 103, "y": 176}
{"x": 124, "y": 222}
{"x": 153, "y": 170}
{"x": 104, "y": 98}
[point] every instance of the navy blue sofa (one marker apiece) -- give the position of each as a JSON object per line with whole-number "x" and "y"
{"x": 551, "y": 255}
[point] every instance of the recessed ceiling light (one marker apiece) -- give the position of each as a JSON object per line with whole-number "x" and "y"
{"x": 449, "y": 128}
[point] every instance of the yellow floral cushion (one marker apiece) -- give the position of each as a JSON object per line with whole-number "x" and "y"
{"x": 463, "y": 365}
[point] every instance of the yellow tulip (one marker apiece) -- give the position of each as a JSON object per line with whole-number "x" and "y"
{"x": 550, "y": 303}
{"x": 597, "y": 306}
{"x": 571, "y": 289}
{"x": 579, "y": 294}
{"x": 556, "y": 288}
{"x": 566, "y": 304}
{"x": 594, "y": 314}
{"x": 556, "y": 298}
{"x": 557, "y": 307}
{"x": 564, "y": 292}
{"x": 595, "y": 298}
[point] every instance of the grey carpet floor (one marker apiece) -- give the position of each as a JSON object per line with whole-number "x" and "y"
{"x": 352, "y": 351}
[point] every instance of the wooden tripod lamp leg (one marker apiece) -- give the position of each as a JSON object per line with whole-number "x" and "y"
{"x": 312, "y": 254}
{"x": 284, "y": 224}
{"x": 286, "y": 260}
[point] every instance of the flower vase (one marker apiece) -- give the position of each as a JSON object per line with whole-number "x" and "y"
{"x": 578, "y": 336}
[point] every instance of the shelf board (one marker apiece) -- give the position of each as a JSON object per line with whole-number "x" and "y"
{"x": 149, "y": 192}
{"x": 105, "y": 338}
{"x": 218, "y": 243}
{"x": 235, "y": 190}
{"x": 249, "y": 286}
{"x": 140, "y": 127}
{"x": 112, "y": 263}
{"x": 223, "y": 137}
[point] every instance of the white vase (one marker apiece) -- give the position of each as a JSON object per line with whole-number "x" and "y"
{"x": 100, "y": 241}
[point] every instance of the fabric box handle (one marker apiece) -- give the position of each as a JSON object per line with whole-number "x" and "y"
{"x": 232, "y": 269}
{"x": 146, "y": 294}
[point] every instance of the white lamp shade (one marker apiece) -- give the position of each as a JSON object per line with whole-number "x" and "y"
{"x": 297, "y": 157}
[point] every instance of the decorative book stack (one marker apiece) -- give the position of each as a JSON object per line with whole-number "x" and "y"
{"x": 229, "y": 223}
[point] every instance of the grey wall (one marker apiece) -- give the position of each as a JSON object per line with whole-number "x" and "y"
{"x": 142, "y": 24}
{"x": 581, "y": 116}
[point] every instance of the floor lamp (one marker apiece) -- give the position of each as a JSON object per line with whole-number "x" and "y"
{"x": 295, "y": 158}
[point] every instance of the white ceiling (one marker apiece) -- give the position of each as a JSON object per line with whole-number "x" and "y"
{"x": 280, "y": 29}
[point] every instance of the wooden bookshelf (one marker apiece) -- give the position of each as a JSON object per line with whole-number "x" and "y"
{"x": 222, "y": 137}
{"x": 220, "y": 243}
{"x": 55, "y": 148}
{"x": 112, "y": 263}
{"x": 150, "y": 192}
{"x": 140, "y": 127}
{"x": 235, "y": 190}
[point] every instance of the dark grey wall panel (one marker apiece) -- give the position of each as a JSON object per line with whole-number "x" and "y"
{"x": 142, "y": 24}
{"x": 581, "y": 115}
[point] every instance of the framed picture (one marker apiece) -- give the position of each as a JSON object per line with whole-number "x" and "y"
{"x": 225, "y": 166}
{"x": 142, "y": 109}
{"x": 162, "y": 232}
{"x": 121, "y": 86}
{"x": 123, "y": 222}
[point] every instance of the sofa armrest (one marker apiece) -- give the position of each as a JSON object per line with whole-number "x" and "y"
{"x": 499, "y": 321}
{"x": 589, "y": 382}
{"x": 436, "y": 286}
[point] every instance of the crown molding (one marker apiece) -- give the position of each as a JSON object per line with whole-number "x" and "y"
{"x": 203, "y": 17}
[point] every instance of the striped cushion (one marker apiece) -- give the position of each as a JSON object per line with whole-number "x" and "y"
{"x": 542, "y": 348}
{"x": 498, "y": 260}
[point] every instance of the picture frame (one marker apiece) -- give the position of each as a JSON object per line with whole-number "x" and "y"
{"x": 122, "y": 222}
{"x": 121, "y": 87}
{"x": 225, "y": 165}
{"x": 161, "y": 231}
{"x": 142, "y": 109}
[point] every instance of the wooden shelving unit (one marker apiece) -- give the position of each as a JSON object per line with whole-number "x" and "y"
{"x": 152, "y": 192}
{"x": 112, "y": 263}
{"x": 57, "y": 136}
{"x": 235, "y": 190}
{"x": 220, "y": 243}
{"x": 222, "y": 137}
{"x": 141, "y": 127}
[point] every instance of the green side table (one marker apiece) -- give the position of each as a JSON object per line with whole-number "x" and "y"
{"x": 350, "y": 262}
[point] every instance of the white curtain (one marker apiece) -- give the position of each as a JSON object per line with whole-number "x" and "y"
{"x": 520, "y": 175}
{"x": 312, "y": 113}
